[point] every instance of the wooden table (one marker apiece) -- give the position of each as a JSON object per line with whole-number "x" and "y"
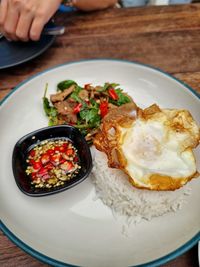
{"x": 165, "y": 37}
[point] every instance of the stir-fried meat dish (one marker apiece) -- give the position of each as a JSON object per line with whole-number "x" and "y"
{"x": 83, "y": 107}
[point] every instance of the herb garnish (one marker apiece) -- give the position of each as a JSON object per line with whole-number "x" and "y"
{"x": 84, "y": 107}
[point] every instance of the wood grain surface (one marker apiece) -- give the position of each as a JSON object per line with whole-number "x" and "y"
{"x": 166, "y": 37}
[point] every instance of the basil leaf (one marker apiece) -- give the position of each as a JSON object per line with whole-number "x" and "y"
{"x": 52, "y": 121}
{"x": 122, "y": 98}
{"x": 75, "y": 93}
{"x": 113, "y": 85}
{"x": 94, "y": 103}
{"x": 65, "y": 84}
{"x": 46, "y": 105}
{"x": 107, "y": 86}
{"x": 84, "y": 114}
{"x": 91, "y": 117}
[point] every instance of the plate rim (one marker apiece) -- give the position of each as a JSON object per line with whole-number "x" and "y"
{"x": 51, "y": 41}
{"x": 36, "y": 254}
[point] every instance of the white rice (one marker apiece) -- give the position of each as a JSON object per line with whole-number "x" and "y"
{"x": 113, "y": 188}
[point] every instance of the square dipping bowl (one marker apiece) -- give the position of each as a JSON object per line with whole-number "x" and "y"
{"x": 29, "y": 141}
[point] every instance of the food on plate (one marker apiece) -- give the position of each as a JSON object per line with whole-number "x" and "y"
{"x": 83, "y": 107}
{"x": 52, "y": 162}
{"x": 133, "y": 204}
{"x": 152, "y": 146}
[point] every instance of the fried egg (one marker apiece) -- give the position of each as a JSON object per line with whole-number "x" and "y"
{"x": 155, "y": 149}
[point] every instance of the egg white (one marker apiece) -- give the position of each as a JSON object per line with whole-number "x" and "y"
{"x": 150, "y": 147}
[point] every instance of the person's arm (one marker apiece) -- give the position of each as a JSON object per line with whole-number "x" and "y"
{"x": 90, "y": 5}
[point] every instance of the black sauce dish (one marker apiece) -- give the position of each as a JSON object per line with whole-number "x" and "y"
{"x": 27, "y": 142}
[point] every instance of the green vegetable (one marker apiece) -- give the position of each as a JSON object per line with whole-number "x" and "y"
{"x": 90, "y": 114}
{"x": 49, "y": 110}
{"x": 65, "y": 84}
{"x": 75, "y": 93}
{"x": 114, "y": 85}
{"x": 122, "y": 98}
{"x": 107, "y": 86}
{"x": 94, "y": 103}
{"x": 91, "y": 117}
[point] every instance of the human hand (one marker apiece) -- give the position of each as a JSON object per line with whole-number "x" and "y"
{"x": 25, "y": 19}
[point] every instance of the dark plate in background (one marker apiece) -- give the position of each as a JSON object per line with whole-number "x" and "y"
{"x": 15, "y": 53}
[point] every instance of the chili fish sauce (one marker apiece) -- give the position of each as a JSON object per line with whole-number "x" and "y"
{"x": 51, "y": 163}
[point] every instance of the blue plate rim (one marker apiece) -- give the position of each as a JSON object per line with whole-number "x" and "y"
{"x": 41, "y": 51}
{"x": 63, "y": 9}
{"x": 36, "y": 254}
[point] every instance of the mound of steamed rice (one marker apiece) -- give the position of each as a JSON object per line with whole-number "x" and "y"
{"x": 113, "y": 188}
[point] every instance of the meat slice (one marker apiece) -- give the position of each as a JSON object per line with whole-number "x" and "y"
{"x": 65, "y": 111}
{"x": 61, "y": 96}
{"x": 83, "y": 94}
{"x": 121, "y": 115}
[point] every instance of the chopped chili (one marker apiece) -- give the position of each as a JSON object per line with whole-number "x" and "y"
{"x": 103, "y": 108}
{"x": 51, "y": 163}
{"x": 77, "y": 108}
{"x": 112, "y": 93}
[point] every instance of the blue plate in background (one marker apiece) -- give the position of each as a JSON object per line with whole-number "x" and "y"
{"x": 15, "y": 53}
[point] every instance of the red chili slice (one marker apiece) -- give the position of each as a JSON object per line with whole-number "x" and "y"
{"x": 45, "y": 158}
{"x": 67, "y": 166}
{"x": 65, "y": 145}
{"x": 57, "y": 148}
{"x": 33, "y": 176}
{"x": 62, "y": 148}
{"x": 56, "y": 158}
{"x": 32, "y": 153}
{"x": 69, "y": 152}
{"x": 76, "y": 159}
{"x": 77, "y": 108}
{"x": 70, "y": 165}
{"x": 62, "y": 161}
{"x": 37, "y": 165}
{"x": 103, "y": 108}
{"x": 49, "y": 166}
{"x": 112, "y": 93}
{"x": 32, "y": 162}
{"x": 43, "y": 171}
{"x": 50, "y": 151}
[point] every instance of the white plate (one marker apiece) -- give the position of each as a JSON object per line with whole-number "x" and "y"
{"x": 70, "y": 227}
